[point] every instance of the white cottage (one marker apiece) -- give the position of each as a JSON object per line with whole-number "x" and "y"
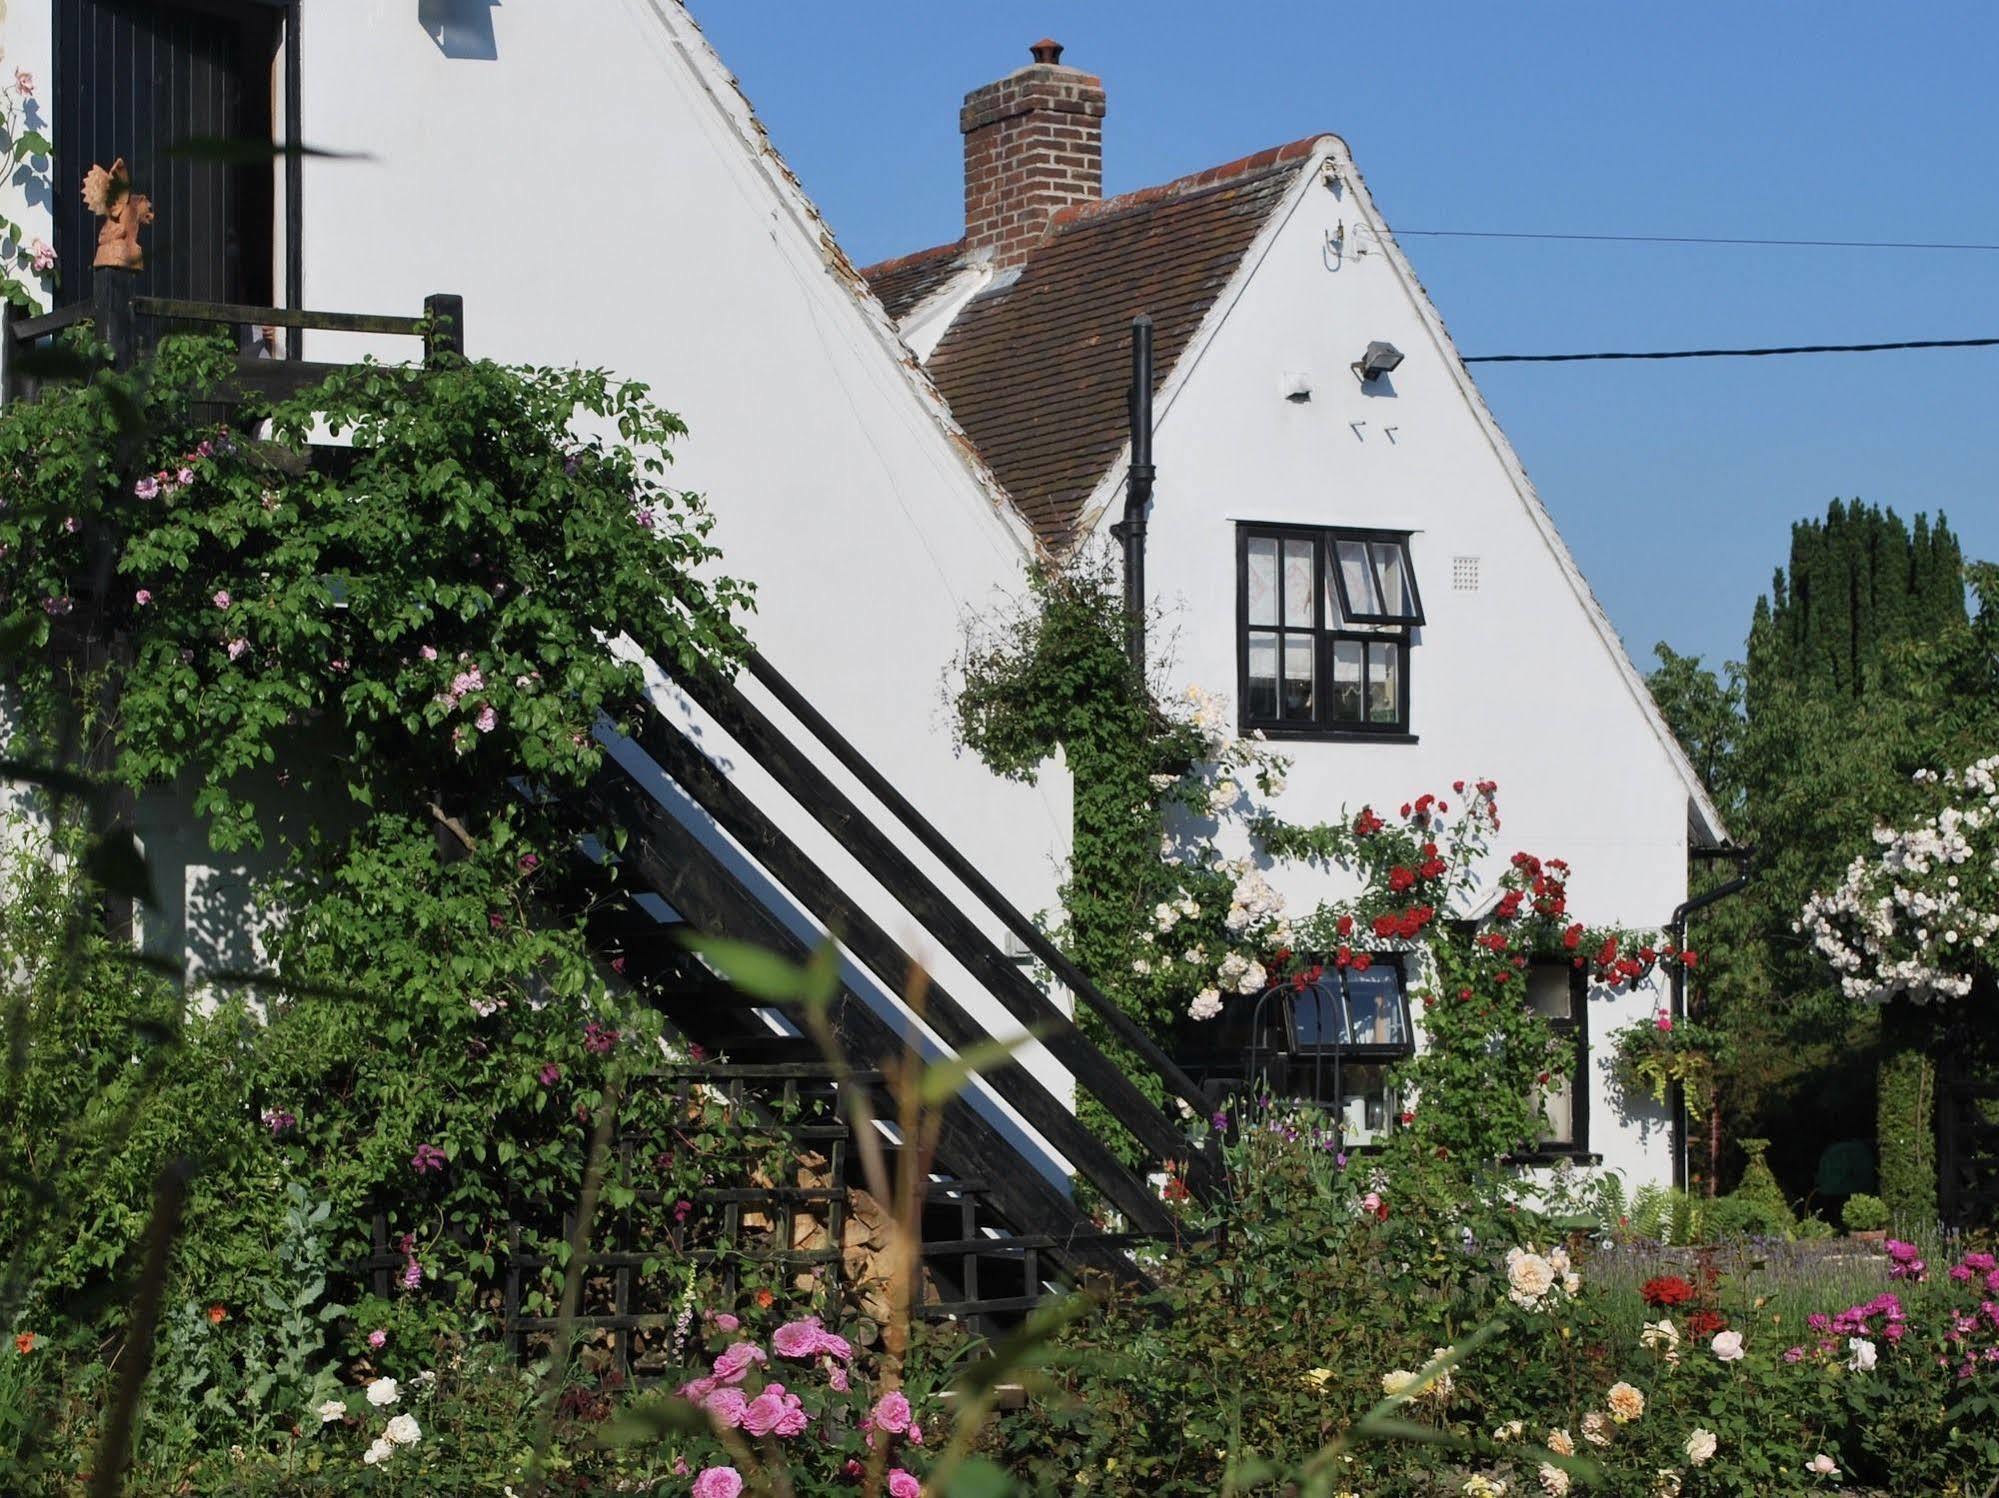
{"x": 818, "y": 795}
{"x": 1339, "y": 535}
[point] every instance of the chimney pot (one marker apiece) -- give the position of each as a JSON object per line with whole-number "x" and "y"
{"x": 1047, "y": 50}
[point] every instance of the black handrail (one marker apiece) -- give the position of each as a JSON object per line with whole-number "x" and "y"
{"x": 278, "y": 317}
{"x": 1115, "y": 1019}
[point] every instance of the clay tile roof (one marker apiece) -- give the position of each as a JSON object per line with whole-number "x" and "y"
{"x": 1035, "y": 368}
{"x": 903, "y": 283}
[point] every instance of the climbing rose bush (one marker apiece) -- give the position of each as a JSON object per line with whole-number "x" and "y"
{"x": 1918, "y": 918}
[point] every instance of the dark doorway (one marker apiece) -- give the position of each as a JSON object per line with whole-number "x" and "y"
{"x": 135, "y": 78}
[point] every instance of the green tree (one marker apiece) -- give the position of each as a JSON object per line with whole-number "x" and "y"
{"x": 1863, "y": 665}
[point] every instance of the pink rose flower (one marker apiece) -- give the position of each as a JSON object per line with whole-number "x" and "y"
{"x": 378, "y": 1339}
{"x": 147, "y": 487}
{"x": 891, "y": 1413}
{"x": 725, "y": 1322}
{"x": 727, "y": 1406}
{"x": 237, "y": 647}
{"x": 24, "y": 83}
{"x": 221, "y": 598}
{"x": 45, "y": 256}
{"x": 488, "y": 720}
{"x": 696, "y": 1390}
{"x": 836, "y": 1378}
{"x": 903, "y": 1484}
{"x": 735, "y": 1362}
{"x": 798, "y": 1339}
{"x": 775, "y": 1411}
{"x": 143, "y": 597}
{"x": 428, "y": 652}
{"x": 915, "y": 1434}
{"x": 718, "y": 1482}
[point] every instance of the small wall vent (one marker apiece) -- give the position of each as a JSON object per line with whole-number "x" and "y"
{"x": 1464, "y": 574}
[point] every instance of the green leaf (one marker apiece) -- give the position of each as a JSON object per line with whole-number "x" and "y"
{"x": 763, "y": 974}
{"x": 950, "y": 1076}
{"x": 979, "y": 1478}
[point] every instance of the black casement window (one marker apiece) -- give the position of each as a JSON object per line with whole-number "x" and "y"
{"x": 1349, "y": 1029}
{"x": 1323, "y": 621}
{"x": 1559, "y": 993}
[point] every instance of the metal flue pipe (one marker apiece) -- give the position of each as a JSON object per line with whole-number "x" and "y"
{"x": 1137, "y": 489}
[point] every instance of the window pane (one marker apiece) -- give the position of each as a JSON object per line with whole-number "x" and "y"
{"x": 1394, "y": 582}
{"x": 1548, "y": 991}
{"x": 1558, "y": 1113}
{"x": 1262, "y": 675}
{"x": 1366, "y": 1105}
{"x": 1374, "y": 1006}
{"x": 1359, "y": 578}
{"x": 1298, "y": 582}
{"x": 1384, "y": 683}
{"x": 1261, "y": 580}
{"x": 1298, "y": 693}
{"x": 1317, "y": 1013}
{"x": 1346, "y": 704}
{"x": 1334, "y": 618}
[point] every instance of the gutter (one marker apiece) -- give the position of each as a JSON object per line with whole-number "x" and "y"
{"x": 1130, "y": 531}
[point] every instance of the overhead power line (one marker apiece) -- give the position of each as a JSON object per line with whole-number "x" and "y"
{"x": 1812, "y": 244}
{"x": 1737, "y": 353}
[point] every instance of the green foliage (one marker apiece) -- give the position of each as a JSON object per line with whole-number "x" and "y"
{"x": 1864, "y": 1213}
{"x": 1758, "y": 1188}
{"x": 413, "y": 631}
{"x": 1056, "y": 678}
{"x": 1667, "y": 1214}
{"x": 1862, "y": 667}
{"x": 1905, "y": 1135}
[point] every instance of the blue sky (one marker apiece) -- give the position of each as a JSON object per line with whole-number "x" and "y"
{"x": 1676, "y": 484}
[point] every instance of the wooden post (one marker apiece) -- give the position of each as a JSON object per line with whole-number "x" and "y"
{"x": 111, "y": 308}
{"x": 447, "y": 334}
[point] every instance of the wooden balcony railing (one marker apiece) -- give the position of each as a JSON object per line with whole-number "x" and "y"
{"x": 131, "y": 324}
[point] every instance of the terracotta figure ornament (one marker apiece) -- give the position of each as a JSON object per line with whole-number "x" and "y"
{"x": 109, "y": 195}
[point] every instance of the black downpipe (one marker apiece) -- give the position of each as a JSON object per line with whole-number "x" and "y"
{"x": 1137, "y": 490}
{"x": 1678, "y": 926}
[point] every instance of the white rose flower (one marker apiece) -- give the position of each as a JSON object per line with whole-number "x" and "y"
{"x": 1253, "y": 979}
{"x": 1822, "y": 1466}
{"x": 330, "y": 1411}
{"x": 1700, "y": 1445}
{"x": 383, "y": 1391}
{"x": 1207, "y": 1004}
{"x": 1530, "y": 1276}
{"x": 1727, "y": 1346}
{"x": 1864, "y": 1355}
{"x": 381, "y": 1451}
{"x": 402, "y": 1431}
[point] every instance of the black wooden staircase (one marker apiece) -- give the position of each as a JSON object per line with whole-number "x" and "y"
{"x": 702, "y": 855}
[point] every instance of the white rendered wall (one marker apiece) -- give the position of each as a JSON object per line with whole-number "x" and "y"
{"x": 1510, "y": 682}
{"x": 646, "y": 227}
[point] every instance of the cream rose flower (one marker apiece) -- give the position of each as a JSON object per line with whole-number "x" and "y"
{"x": 1554, "y": 1481}
{"x": 1596, "y": 1429}
{"x": 1530, "y": 1275}
{"x": 1561, "y": 1443}
{"x": 1669, "y": 1483}
{"x": 1624, "y": 1402}
{"x": 332, "y": 1409}
{"x": 1398, "y": 1384}
{"x": 1662, "y": 1337}
{"x": 1700, "y": 1445}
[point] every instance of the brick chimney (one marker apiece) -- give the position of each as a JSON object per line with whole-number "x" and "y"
{"x": 1034, "y": 144}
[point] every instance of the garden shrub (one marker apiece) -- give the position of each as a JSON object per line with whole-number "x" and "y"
{"x": 1864, "y": 1213}
{"x": 1905, "y": 1136}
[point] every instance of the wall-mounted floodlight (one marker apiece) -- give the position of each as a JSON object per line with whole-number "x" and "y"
{"x": 1380, "y": 359}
